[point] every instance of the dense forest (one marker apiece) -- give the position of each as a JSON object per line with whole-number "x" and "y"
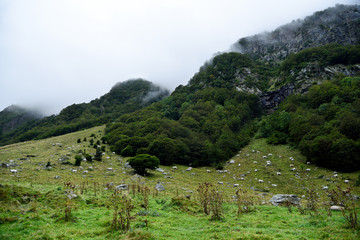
{"x": 124, "y": 97}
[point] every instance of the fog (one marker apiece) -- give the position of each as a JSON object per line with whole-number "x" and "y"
{"x": 54, "y": 53}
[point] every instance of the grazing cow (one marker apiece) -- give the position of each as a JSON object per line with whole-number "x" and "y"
{"x": 208, "y": 171}
{"x": 346, "y": 181}
{"x": 236, "y": 185}
{"x": 220, "y": 183}
{"x": 13, "y": 171}
{"x": 308, "y": 169}
{"x": 261, "y": 181}
{"x": 174, "y": 167}
{"x": 278, "y": 173}
{"x": 74, "y": 171}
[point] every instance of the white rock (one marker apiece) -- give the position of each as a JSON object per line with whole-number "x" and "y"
{"x": 336, "y": 208}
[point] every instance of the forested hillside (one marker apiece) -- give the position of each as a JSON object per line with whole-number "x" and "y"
{"x": 324, "y": 124}
{"x": 123, "y": 98}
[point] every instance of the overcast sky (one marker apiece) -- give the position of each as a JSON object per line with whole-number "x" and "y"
{"x": 57, "y": 52}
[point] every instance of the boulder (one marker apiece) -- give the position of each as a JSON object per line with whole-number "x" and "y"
{"x": 159, "y": 187}
{"x": 160, "y": 170}
{"x": 280, "y": 199}
{"x": 336, "y": 208}
{"x": 127, "y": 165}
{"x": 72, "y": 195}
{"x": 122, "y": 187}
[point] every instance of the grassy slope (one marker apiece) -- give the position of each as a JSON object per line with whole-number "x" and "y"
{"x": 19, "y": 219}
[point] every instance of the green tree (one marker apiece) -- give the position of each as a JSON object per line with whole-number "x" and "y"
{"x": 78, "y": 160}
{"x": 142, "y": 162}
{"x": 98, "y": 154}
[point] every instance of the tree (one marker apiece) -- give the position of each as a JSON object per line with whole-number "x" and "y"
{"x": 142, "y": 162}
{"x": 78, "y": 160}
{"x": 98, "y": 154}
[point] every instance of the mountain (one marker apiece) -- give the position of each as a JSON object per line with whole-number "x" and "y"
{"x": 303, "y": 73}
{"x": 208, "y": 120}
{"x": 14, "y": 117}
{"x": 124, "y": 97}
{"x": 339, "y": 24}
{"x": 325, "y": 39}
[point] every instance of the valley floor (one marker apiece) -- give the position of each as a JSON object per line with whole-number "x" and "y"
{"x": 33, "y": 200}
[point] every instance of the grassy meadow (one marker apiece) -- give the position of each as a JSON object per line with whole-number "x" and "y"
{"x": 33, "y": 203}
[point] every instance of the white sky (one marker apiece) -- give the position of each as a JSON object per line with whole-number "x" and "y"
{"x": 54, "y": 53}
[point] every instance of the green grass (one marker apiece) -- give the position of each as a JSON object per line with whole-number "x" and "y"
{"x": 32, "y": 202}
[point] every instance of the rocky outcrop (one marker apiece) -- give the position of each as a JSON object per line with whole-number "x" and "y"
{"x": 270, "y": 100}
{"x": 339, "y": 24}
{"x": 304, "y": 79}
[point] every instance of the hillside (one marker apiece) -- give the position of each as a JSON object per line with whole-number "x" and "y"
{"x": 124, "y": 97}
{"x": 39, "y": 196}
{"x": 14, "y": 117}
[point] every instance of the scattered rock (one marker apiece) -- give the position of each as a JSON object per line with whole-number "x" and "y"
{"x": 122, "y": 187}
{"x": 336, "y": 208}
{"x": 127, "y": 165}
{"x": 280, "y": 199}
{"x": 160, "y": 170}
{"x": 72, "y": 195}
{"x": 159, "y": 187}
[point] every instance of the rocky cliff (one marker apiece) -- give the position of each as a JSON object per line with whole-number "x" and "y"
{"x": 338, "y": 24}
